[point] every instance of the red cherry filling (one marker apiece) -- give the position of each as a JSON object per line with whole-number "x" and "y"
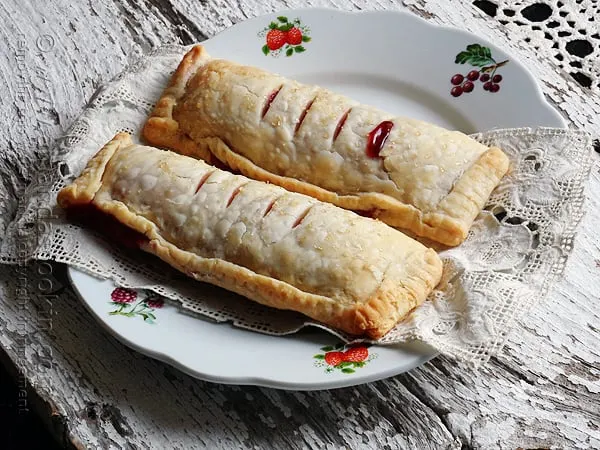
{"x": 203, "y": 180}
{"x": 270, "y": 99}
{"x": 301, "y": 217}
{"x": 340, "y": 124}
{"x": 234, "y": 194}
{"x": 377, "y": 138}
{"x": 303, "y": 115}
{"x": 269, "y": 207}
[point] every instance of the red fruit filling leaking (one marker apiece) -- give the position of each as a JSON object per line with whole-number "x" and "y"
{"x": 205, "y": 177}
{"x": 301, "y": 217}
{"x": 340, "y": 124}
{"x": 303, "y": 115}
{"x": 270, "y": 99}
{"x": 269, "y": 207}
{"x": 234, "y": 194}
{"x": 377, "y": 138}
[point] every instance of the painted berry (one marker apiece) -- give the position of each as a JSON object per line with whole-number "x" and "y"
{"x": 276, "y": 39}
{"x": 334, "y": 358}
{"x": 155, "y": 302}
{"x": 473, "y": 75}
{"x": 488, "y": 85}
{"x": 123, "y": 295}
{"x": 294, "y": 36}
{"x": 485, "y": 77}
{"x": 468, "y": 86}
{"x": 456, "y": 91}
{"x": 457, "y": 79}
{"x": 494, "y": 87}
{"x": 497, "y": 78}
{"x": 356, "y": 354}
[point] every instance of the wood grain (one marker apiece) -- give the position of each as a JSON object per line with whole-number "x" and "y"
{"x": 542, "y": 391}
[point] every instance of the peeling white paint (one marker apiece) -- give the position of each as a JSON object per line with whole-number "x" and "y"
{"x": 541, "y": 392}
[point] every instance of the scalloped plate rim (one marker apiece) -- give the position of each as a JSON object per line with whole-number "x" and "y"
{"x": 424, "y": 354}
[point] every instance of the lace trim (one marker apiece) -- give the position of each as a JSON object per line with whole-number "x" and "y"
{"x": 516, "y": 249}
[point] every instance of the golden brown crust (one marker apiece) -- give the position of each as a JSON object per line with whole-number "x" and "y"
{"x": 161, "y": 129}
{"x": 84, "y": 188}
{"x": 405, "y": 284}
{"x": 447, "y": 221}
{"x": 449, "y": 226}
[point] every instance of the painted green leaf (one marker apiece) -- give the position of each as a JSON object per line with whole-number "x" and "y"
{"x": 272, "y": 25}
{"x": 476, "y": 55}
{"x": 299, "y": 49}
{"x": 305, "y": 38}
{"x": 327, "y": 348}
{"x": 462, "y": 57}
{"x": 282, "y": 19}
{"x": 286, "y": 27}
{"x": 344, "y": 364}
{"x": 348, "y": 370}
{"x": 152, "y": 316}
{"x": 339, "y": 345}
{"x": 289, "y": 52}
{"x": 265, "y": 49}
{"x": 319, "y": 356}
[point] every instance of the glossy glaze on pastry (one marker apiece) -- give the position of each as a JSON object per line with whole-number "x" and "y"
{"x": 279, "y": 248}
{"x": 408, "y": 173}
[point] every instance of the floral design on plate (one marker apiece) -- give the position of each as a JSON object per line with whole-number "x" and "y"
{"x": 123, "y": 299}
{"x": 480, "y": 57}
{"x": 344, "y": 357}
{"x": 284, "y": 36}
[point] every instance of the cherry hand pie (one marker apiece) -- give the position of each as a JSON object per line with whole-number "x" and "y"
{"x": 279, "y": 248}
{"x": 405, "y": 172}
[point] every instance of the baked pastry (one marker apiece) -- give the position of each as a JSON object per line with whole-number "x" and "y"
{"x": 405, "y": 172}
{"x": 279, "y": 248}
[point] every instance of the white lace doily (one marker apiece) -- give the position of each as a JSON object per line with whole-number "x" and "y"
{"x": 567, "y": 30}
{"x": 516, "y": 249}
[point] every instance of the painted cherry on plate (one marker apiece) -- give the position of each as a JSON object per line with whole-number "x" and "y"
{"x": 481, "y": 57}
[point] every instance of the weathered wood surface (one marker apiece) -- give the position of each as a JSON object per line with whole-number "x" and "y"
{"x": 542, "y": 391}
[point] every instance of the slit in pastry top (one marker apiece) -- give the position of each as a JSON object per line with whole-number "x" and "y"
{"x": 315, "y": 141}
{"x": 419, "y": 162}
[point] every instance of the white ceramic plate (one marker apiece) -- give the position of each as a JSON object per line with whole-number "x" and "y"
{"x": 392, "y": 60}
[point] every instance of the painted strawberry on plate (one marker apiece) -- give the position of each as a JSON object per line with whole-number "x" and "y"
{"x": 284, "y": 35}
{"x": 276, "y": 39}
{"x": 123, "y": 299}
{"x": 344, "y": 357}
